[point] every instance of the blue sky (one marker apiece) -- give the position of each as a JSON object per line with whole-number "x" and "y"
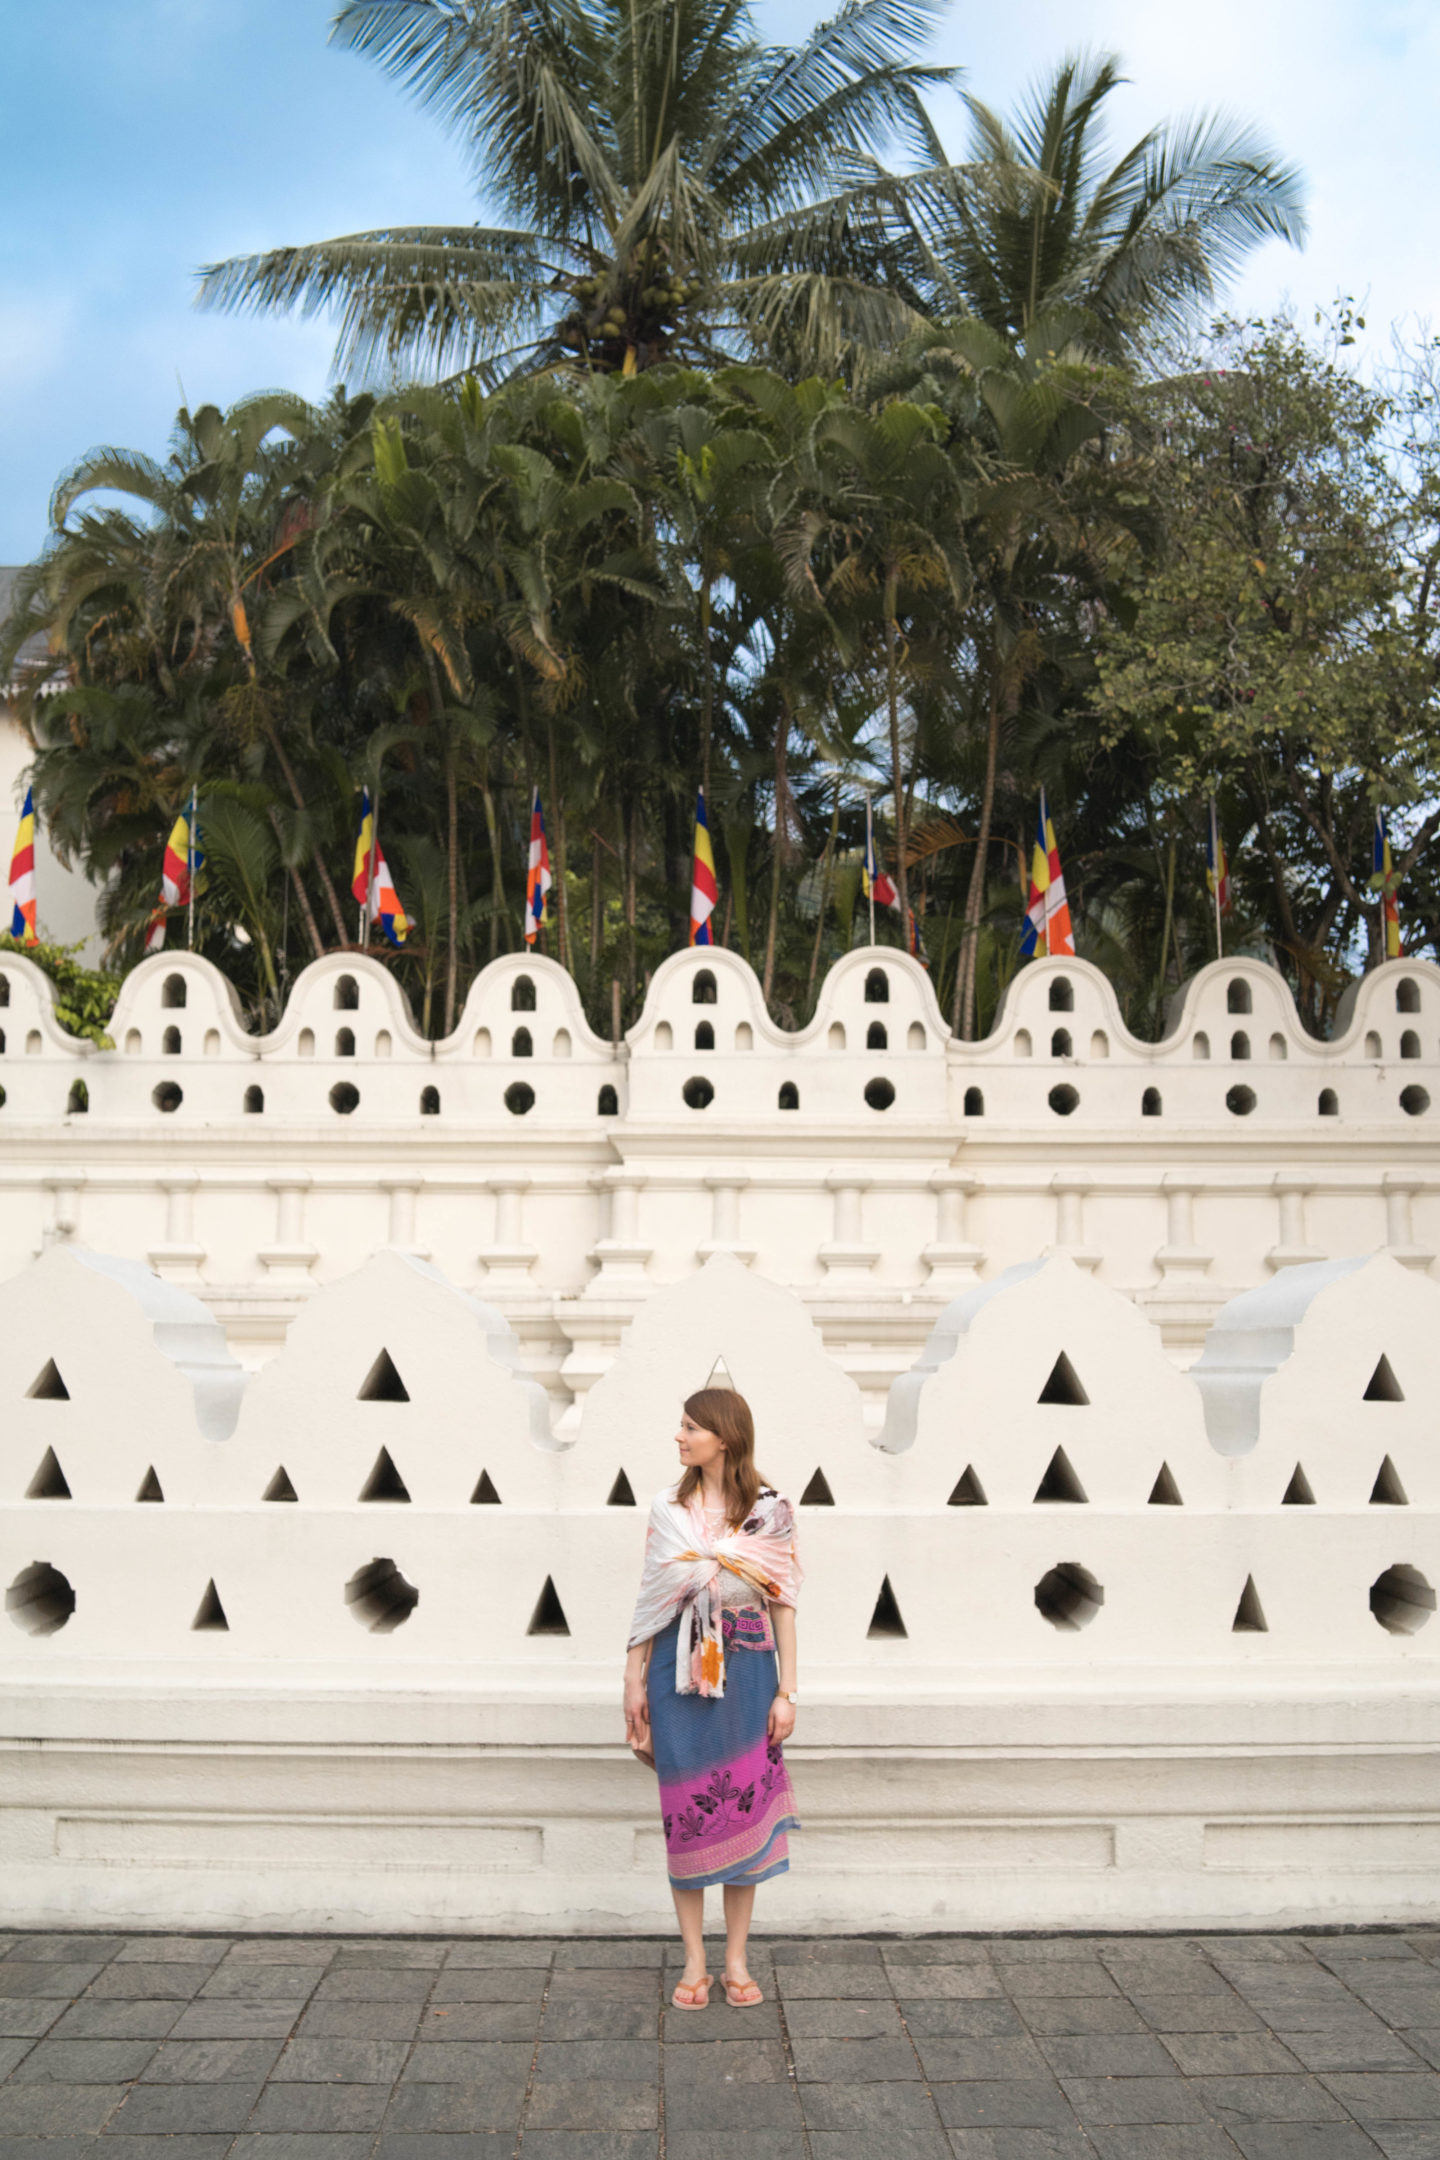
{"x": 139, "y": 138}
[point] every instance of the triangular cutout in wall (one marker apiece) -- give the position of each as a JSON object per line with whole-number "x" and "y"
{"x": 1060, "y": 1481}
{"x": 1388, "y": 1490}
{"x": 1297, "y": 1493}
{"x": 47, "y": 1386}
{"x": 1165, "y": 1492}
{"x": 817, "y": 1493}
{"x": 548, "y": 1617}
{"x": 969, "y": 1492}
{"x": 384, "y": 1481}
{"x": 49, "y": 1481}
{"x": 622, "y": 1492}
{"x": 280, "y": 1487}
{"x": 886, "y": 1620}
{"x": 383, "y": 1383}
{"x": 1249, "y": 1616}
{"x": 150, "y": 1486}
{"x": 485, "y": 1494}
{"x": 1384, "y": 1387}
{"x": 211, "y": 1615}
{"x": 720, "y": 1376}
{"x": 1063, "y": 1385}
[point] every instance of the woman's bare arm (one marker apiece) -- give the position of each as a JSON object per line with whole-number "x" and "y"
{"x": 782, "y": 1713}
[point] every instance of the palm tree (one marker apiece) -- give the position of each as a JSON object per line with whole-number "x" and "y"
{"x": 671, "y": 186}
{"x": 1136, "y": 246}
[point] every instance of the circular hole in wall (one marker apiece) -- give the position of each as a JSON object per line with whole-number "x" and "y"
{"x": 1064, "y": 1100}
{"x": 1401, "y": 1599}
{"x": 519, "y": 1097}
{"x": 167, "y": 1096}
{"x": 380, "y": 1598}
{"x": 698, "y": 1094}
{"x": 879, "y": 1094}
{"x": 1240, "y": 1101}
{"x": 1069, "y": 1596}
{"x": 344, "y": 1098}
{"x": 1414, "y": 1101}
{"x": 40, "y": 1600}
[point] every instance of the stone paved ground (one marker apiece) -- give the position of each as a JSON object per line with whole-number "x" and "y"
{"x": 958, "y": 2048}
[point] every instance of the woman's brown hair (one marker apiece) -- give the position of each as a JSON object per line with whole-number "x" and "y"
{"x": 722, "y": 1412}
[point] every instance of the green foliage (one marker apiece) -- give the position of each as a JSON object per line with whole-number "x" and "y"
{"x": 84, "y": 997}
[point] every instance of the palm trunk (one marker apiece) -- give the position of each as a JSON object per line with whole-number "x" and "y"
{"x": 497, "y": 878}
{"x": 597, "y": 904}
{"x": 827, "y": 861}
{"x": 273, "y": 734}
{"x": 452, "y": 890}
{"x": 892, "y": 693}
{"x": 630, "y": 842}
{"x": 777, "y": 852}
{"x": 557, "y": 819}
{"x": 962, "y": 1019}
{"x": 312, "y": 928}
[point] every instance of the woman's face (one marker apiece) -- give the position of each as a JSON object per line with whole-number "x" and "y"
{"x": 698, "y": 1448}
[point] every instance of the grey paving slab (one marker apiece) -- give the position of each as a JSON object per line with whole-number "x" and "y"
{"x": 631, "y": 2060}
{"x": 935, "y": 1950}
{"x": 91, "y": 2020}
{"x": 1198, "y": 2013}
{"x": 609, "y": 1983}
{"x": 853, "y": 2017}
{"x": 823, "y": 1950}
{"x": 868, "y": 2062}
{"x": 1134, "y": 2100}
{"x": 160, "y": 2110}
{"x": 686, "y": 2028}
{"x": 12, "y": 2053}
{"x": 67, "y": 1949}
{"x": 1105, "y": 2055}
{"x": 1371, "y": 2046}
{"x": 1017, "y": 2056}
{"x": 26, "y": 2018}
{"x": 1386, "y": 2096}
{"x": 820, "y": 1980}
{"x": 605, "y": 1955}
{"x": 1065, "y": 1976}
{"x": 376, "y": 1983}
{"x": 588, "y": 2145}
{"x": 198, "y": 2062}
{"x": 760, "y": 2144}
{"x": 493, "y": 2104}
{"x": 281, "y": 1950}
{"x": 1420, "y": 2042}
{"x": 234, "y": 1982}
{"x": 1231, "y": 2054}
{"x": 456, "y": 2062}
{"x": 301, "y": 2145}
{"x": 731, "y": 2108}
{"x": 394, "y": 1956}
{"x": 593, "y": 2104}
{"x": 1404, "y": 2141}
{"x": 173, "y": 1950}
{"x": 899, "y": 2145}
{"x": 1158, "y": 2141}
{"x": 1048, "y": 2016}
{"x": 320, "y": 2108}
{"x": 1008, "y": 2103}
{"x": 341, "y": 2062}
{"x": 28, "y": 2148}
{"x": 370, "y": 2021}
{"x": 82, "y": 2062}
{"x": 1303, "y": 2141}
{"x": 57, "y": 2110}
{"x": 59, "y": 1977}
{"x": 205, "y": 2019}
{"x": 1266, "y": 2099}
{"x": 496, "y": 1983}
{"x": 578, "y": 2018}
{"x": 187, "y": 2145}
{"x": 418, "y": 2145}
{"x": 508, "y": 1950}
{"x": 1021, "y": 2145}
{"x": 992, "y": 2018}
{"x": 874, "y": 2108}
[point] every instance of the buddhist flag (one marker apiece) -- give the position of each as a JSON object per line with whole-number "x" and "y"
{"x": 873, "y": 881}
{"x": 22, "y": 877}
{"x": 175, "y": 877}
{"x": 1217, "y": 864}
{"x": 537, "y": 875}
{"x": 364, "y": 849}
{"x": 1047, "y": 915}
{"x": 383, "y": 904}
{"x": 1382, "y": 881}
{"x": 704, "y": 892}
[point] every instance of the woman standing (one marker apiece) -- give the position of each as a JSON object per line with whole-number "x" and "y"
{"x": 703, "y": 1701}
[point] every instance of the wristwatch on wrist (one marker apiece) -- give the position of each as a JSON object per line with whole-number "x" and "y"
{"x": 783, "y": 1697}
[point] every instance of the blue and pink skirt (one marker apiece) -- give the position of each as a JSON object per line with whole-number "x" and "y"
{"x": 725, "y": 1794}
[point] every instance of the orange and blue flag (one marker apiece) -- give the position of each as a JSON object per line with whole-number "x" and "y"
{"x": 1217, "y": 863}
{"x": 22, "y": 877}
{"x": 1047, "y": 926}
{"x": 1382, "y": 880}
{"x": 364, "y": 849}
{"x": 537, "y": 873}
{"x": 177, "y": 873}
{"x": 704, "y": 891}
{"x": 874, "y": 883}
{"x": 372, "y": 884}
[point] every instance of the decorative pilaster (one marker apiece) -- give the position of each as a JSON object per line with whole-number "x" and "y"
{"x": 846, "y": 1259}
{"x": 1290, "y": 1188}
{"x": 1399, "y": 1188}
{"x": 953, "y": 1263}
{"x": 404, "y": 1198}
{"x": 64, "y": 1222}
{"x": 620, "y": 1257}
{"x": 290, "y": 1258}
{"x": 508, "y": 1261}
{"x": 1070, "y": 1192}
{"x": 178, "y": 1257}
{"x": 726, "y": 1187}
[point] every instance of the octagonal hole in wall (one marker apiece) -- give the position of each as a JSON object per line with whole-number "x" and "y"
{"x": 1409, "y": 1044}
{"x": 1150, "y": 1103}
{"x": 254, "y": 1101}
{"x": 167, "y": 1097}
{"x": 345, "y": 1042}
{"x": 1068, "y": 1595}
{"x": 522, "y": 994}
{"x": 621, "y": 1493}
{"x": 1022, "y": 1043}
{"x": 817, "y": 1493}
{"x": 305, "y": 1043}
{"x": 347, "y": 994}
{"x": 77, "y": 1102}
{"x": 607, "y": 1103}
{"x": 430, "y": 1102}
{"x": 1407, "y": 996}
{"x": 1414, "y": 1101}
{"x": 879, "y": 1094}
{"x": 519, "y": 1098}
{"x": 485, "y": 1494}
{"x": 704, "y": 1035}
{"x": 877, "y": 987}
{"x": 974, "y": 1102}
{"x": 1200, "y": 1047}
{"x": 1237, "y": 996}
{"x": 548, "y": 1617}
{"x": 886, "y": 1622}
{"x": 1240, "y": 1101}
{"x": 40, "y": 1600}
{"x": 1387, "y": 1491}
{"x": 1249, "y": 1613}
{"x": 173, "y": 993}
{"x": 280, "y": 1490}
{"x": 48, "y": 1386}
{"x": 1298, "y": 1493}
{"x": 380, "y": 1598}
{"x": 1064, "y": 1101}
{"x": 1328, "y": 1104}
{"x": 789, "y": 1096}
{"x": 698, "y": 1093}
{"x": 876, "y": 1036}
{"x": 49, "y": 1481}
{"x": 1382, "y": 1385}
{"x": 1401, "y": 1599}
{"x": 151, "y": 1490}
{"x": 968, "y": 1491}
{"x": 210, "y": 1614}
{"x": 702, "y": 988}
{"x": 1062, "y": 994}
{"x": 344, "y": 1099}
{"x": 1372, "y": 1045}
{"x": 170, "y": 1042}
{"x": 1165, "y": 1492}
{"x": 1240, "y": 1045}
{"x": 1060, "y": 1043}
{"x": 522, "y": 1043}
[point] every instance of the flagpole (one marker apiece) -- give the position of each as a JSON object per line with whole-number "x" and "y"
{"x": 1045, "y": 896}
{"x": 1215, "y": 878}
{"x": 870, "y": 860}
{"x": 190, "y": 867}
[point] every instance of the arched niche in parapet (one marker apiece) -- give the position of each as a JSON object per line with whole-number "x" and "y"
{"x": 1061, "y": 1007}
{"x": 1061, "y": 1389}
{"x": 392, "y": 1381}
{"x": 1333, "y": 1365}
{"x": 773, "y": 1353}
{"x": 526, "y": 994}
{"x": 1234, "y": 1009}
{"x": 1400, "y": 998}
{"x": 885, "y": 1002}
{"x": 180, "y": 1005}
{"x": 705, "y": 988}
{"x": 119, "y": 1374}
{"x": 345, "y": 998}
